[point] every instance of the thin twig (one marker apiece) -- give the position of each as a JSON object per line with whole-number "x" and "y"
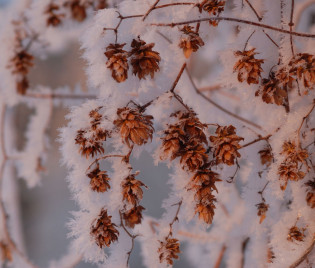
{"x": 256, "y": 140}
{"x": 303, "y": 120}
{"x": 244, "y": 246}
{"x": 133, "y": 237}
{"x": 220, "y": 107}
{"x": 254, "y": 10}
{"x": 176, "y": 96}
{"x": 150, "y": 9}
{"x": 248, "y": 39}
{"x": 286, "y": 103}
{"x": 262, "y": 192}
{"x": 220, "y": 257}
{"x": 170, "y": 233}
{"x": 304, "y": 256}
{"x": 175, "y": 4}
{"x": 260, "y": 25}
{"x": 178, "y": 77}
{"x": 269, "y": 37}
{"x": 102, "y": 158}
{"x": 231, "y": 179}
{"x": 291, "y": 24}
{"x": 58, "y": 96}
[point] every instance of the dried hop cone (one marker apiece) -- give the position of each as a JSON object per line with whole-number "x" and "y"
{"x": 310, "y": 197}
{"x": 133, "y": 216}
{"x": 91, "y": 139}
{"x": 101, "y": 4}
{"x": 205, "y": 178}
{"x": 270, "y": 256}
{"x": 213, "y": 7}
{"x": 203, "y": 183}
{"x": 272, "y": 91}
{"x": 99, "y": 180}
{"x": 117, "y": 61}
{"x": 6, "y": 253}
{"x": 104, "y": 231}
{"x": 21, "y": 62}
{"x": 248, "y": 68}
{"x": 266, "y": 156}
{"x": 194, "y": 156}
{"x": 289, "y": 171}
{"x": 191, "y": 41}
{"x": 226, "y": 144}
{"x": 20, "y": 65}
{"x": 135, "y": 127}
{"x": 205, "y": 210}
{"x": 303, "y": 67}
{"x": 144, "y": 60}
{"x": 54, "y": 19}
{"x": 290, "y": 150}
{"x": 178, "y": 136}
{"x": 78, "y": 10}
{"x": 262, "y": 210}
{"x": 172, "y": 142}
{"x": 295, "y": 233}
{"x": 88, "y": 146}
{"x": 169, "y": 250}
{"x": 131, "y": 190}
{"x": 22, "y": 85}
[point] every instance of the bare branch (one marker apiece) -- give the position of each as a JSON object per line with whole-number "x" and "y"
{"x": 260, "y": 25}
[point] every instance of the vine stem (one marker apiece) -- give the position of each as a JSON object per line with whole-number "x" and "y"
{"x": 260, "y": 25}
{"x": 254, "y": 10}
{"x": 291, "y": 24}
{"x": 303, "y": 120}
{"x": 170, "y": 233}
{"x": 133, "y": 237}
{"x": 304, "y": 256}
{"x": 220, "y": 257}
{"x": 102, "y": 158}
{"x": 218, "y": 106}
{"x": 150, "y": 9}
{"x": 256, "y": 140}
{"x": 58, "y": 96}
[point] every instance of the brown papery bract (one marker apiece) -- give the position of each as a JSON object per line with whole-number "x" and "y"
{"x": 134, "y": 126}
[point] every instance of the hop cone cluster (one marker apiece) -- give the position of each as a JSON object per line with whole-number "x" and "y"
{"x": 104, "y": 231}
{"x": 132, "y": 195}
